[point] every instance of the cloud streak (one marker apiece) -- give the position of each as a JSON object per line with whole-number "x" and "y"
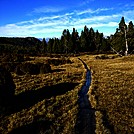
{"x": 90, "y": 11}
{"x": 53, "y": 25}
{"x": 47, "y": 9}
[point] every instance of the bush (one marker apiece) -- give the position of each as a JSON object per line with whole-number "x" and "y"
{"x": 27, "y": 68}
{"x": 27, "y": 58}
{"x": 12, "y": 58}
{"x": 7, "y": 86}
{"x": 10, "y": 66}
{"x": 45, "y": 68}
{"x": 19, "y": 58}
{"x": 59, "y": 61}
{"x": 102, "y": 57}
{"x": 19, "y": 71}
{"x": 33, "y": 69}
{"x": 7, "y": 58}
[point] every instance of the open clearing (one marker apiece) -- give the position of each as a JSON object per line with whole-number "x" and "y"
{"x": 48, "y": 103}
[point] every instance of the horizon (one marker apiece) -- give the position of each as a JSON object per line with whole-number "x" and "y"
{"x": 49, "y": 19}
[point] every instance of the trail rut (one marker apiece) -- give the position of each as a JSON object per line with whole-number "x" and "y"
{"x": 86, "y": 116}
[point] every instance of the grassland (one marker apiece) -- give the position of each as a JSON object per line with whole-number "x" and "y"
{"x": 47, "y": 103}
{"x": 44, "y": 103}
{"x": 112, "y": 94}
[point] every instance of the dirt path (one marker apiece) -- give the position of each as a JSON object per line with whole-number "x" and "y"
{"x": 86, "y": 116}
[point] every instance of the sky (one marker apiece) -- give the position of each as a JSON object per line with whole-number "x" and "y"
{"x": 48, "y": 19}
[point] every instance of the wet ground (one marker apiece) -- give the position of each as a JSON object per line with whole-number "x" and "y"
{"x": 86, "y": 117}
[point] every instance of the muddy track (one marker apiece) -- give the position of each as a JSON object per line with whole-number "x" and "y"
{"x": 86, "y": 117}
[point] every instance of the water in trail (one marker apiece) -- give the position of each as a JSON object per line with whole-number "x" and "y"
{"x": 86, "y": 117}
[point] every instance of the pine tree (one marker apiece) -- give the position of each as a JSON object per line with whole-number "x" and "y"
{"x": 75, "y": 37}
{"x": 130, "y": 28}
{"x": 118, "y": 40}
{"x": 67, "y": 41}
{"x": 130, "y": 36}
{"x": 92, "y": 46}
{"x": 44, "y": 46}
{"x": 122, "y": 25}
{"x": 83, "y": 41}
{"x": 98, "y": 40}
{"x": 50, "y": 45}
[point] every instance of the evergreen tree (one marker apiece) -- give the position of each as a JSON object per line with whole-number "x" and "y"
{"x": 56, "y": 45}
{"x": 122, "y": 25}
{"x": 118, "y": 40}
{"x": 130, "y": 36}
{"x": 44, "y": 46}
{"x": 130, "y": 27}
{"x": 75, "y": 38}
{"x": 67, "y": 41}
{"x": 50, "y": 45}
{"x": 83, "y": 41}
{"x": 91, "y": 45}
{"x": 98, "y": 40}
{"x": 61, "y": 45}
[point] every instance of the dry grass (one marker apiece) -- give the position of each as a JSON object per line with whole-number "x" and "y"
{"x": 112, "y": 94}
{"x": 46, "y": 102}
{"x": 43, "y": 106}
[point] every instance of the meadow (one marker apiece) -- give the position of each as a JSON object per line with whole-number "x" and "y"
{"x": 112, "y": 93}
{"x": 48, "y": 103}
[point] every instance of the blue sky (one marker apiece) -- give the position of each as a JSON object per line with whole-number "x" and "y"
{"x": 44, "y": 18}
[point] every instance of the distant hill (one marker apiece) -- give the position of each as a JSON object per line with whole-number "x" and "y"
{"x": 19, "y": 44}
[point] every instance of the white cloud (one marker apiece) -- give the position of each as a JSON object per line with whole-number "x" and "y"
{"x": 85, "y": 11}
{"x": 90, "y": 11}
{"x": 47, "y": 9}
{"x": 128, "y": 15}
{"x": 85, "y": 2}
{"x": 54, "y": 25}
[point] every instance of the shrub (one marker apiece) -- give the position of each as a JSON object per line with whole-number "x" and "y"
{"x": 33, "y": 69}
{"x": 12, "y": 58}
{"x": 10, "y": 66}
{"x": 102, "y": 57}
{"x": 7, "y": 58}
{"x": 18, "y": 58}
{"x": 59, "y": 61}
{"x": 18, "y": 70}
{"x": 27, "y": 58}
{"x": 27, "y": 68}
{"x": 7, "y": 86}
{"x": 45, "y": 68}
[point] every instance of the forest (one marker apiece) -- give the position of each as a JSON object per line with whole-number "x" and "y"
{"x": 87, "y": 41}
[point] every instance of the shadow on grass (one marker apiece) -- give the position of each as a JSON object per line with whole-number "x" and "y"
{"x": 40, "y": 127}
{"x": 57, "y": 70}
{"x": 29, "y": 98}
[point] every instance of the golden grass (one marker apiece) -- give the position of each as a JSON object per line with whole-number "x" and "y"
{"x": 112, "y": 93}
{"x": 60, "y": 110}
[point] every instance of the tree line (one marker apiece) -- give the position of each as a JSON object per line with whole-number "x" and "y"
{"x": 88, "y": 41}
{"x": 71, "y": 42}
